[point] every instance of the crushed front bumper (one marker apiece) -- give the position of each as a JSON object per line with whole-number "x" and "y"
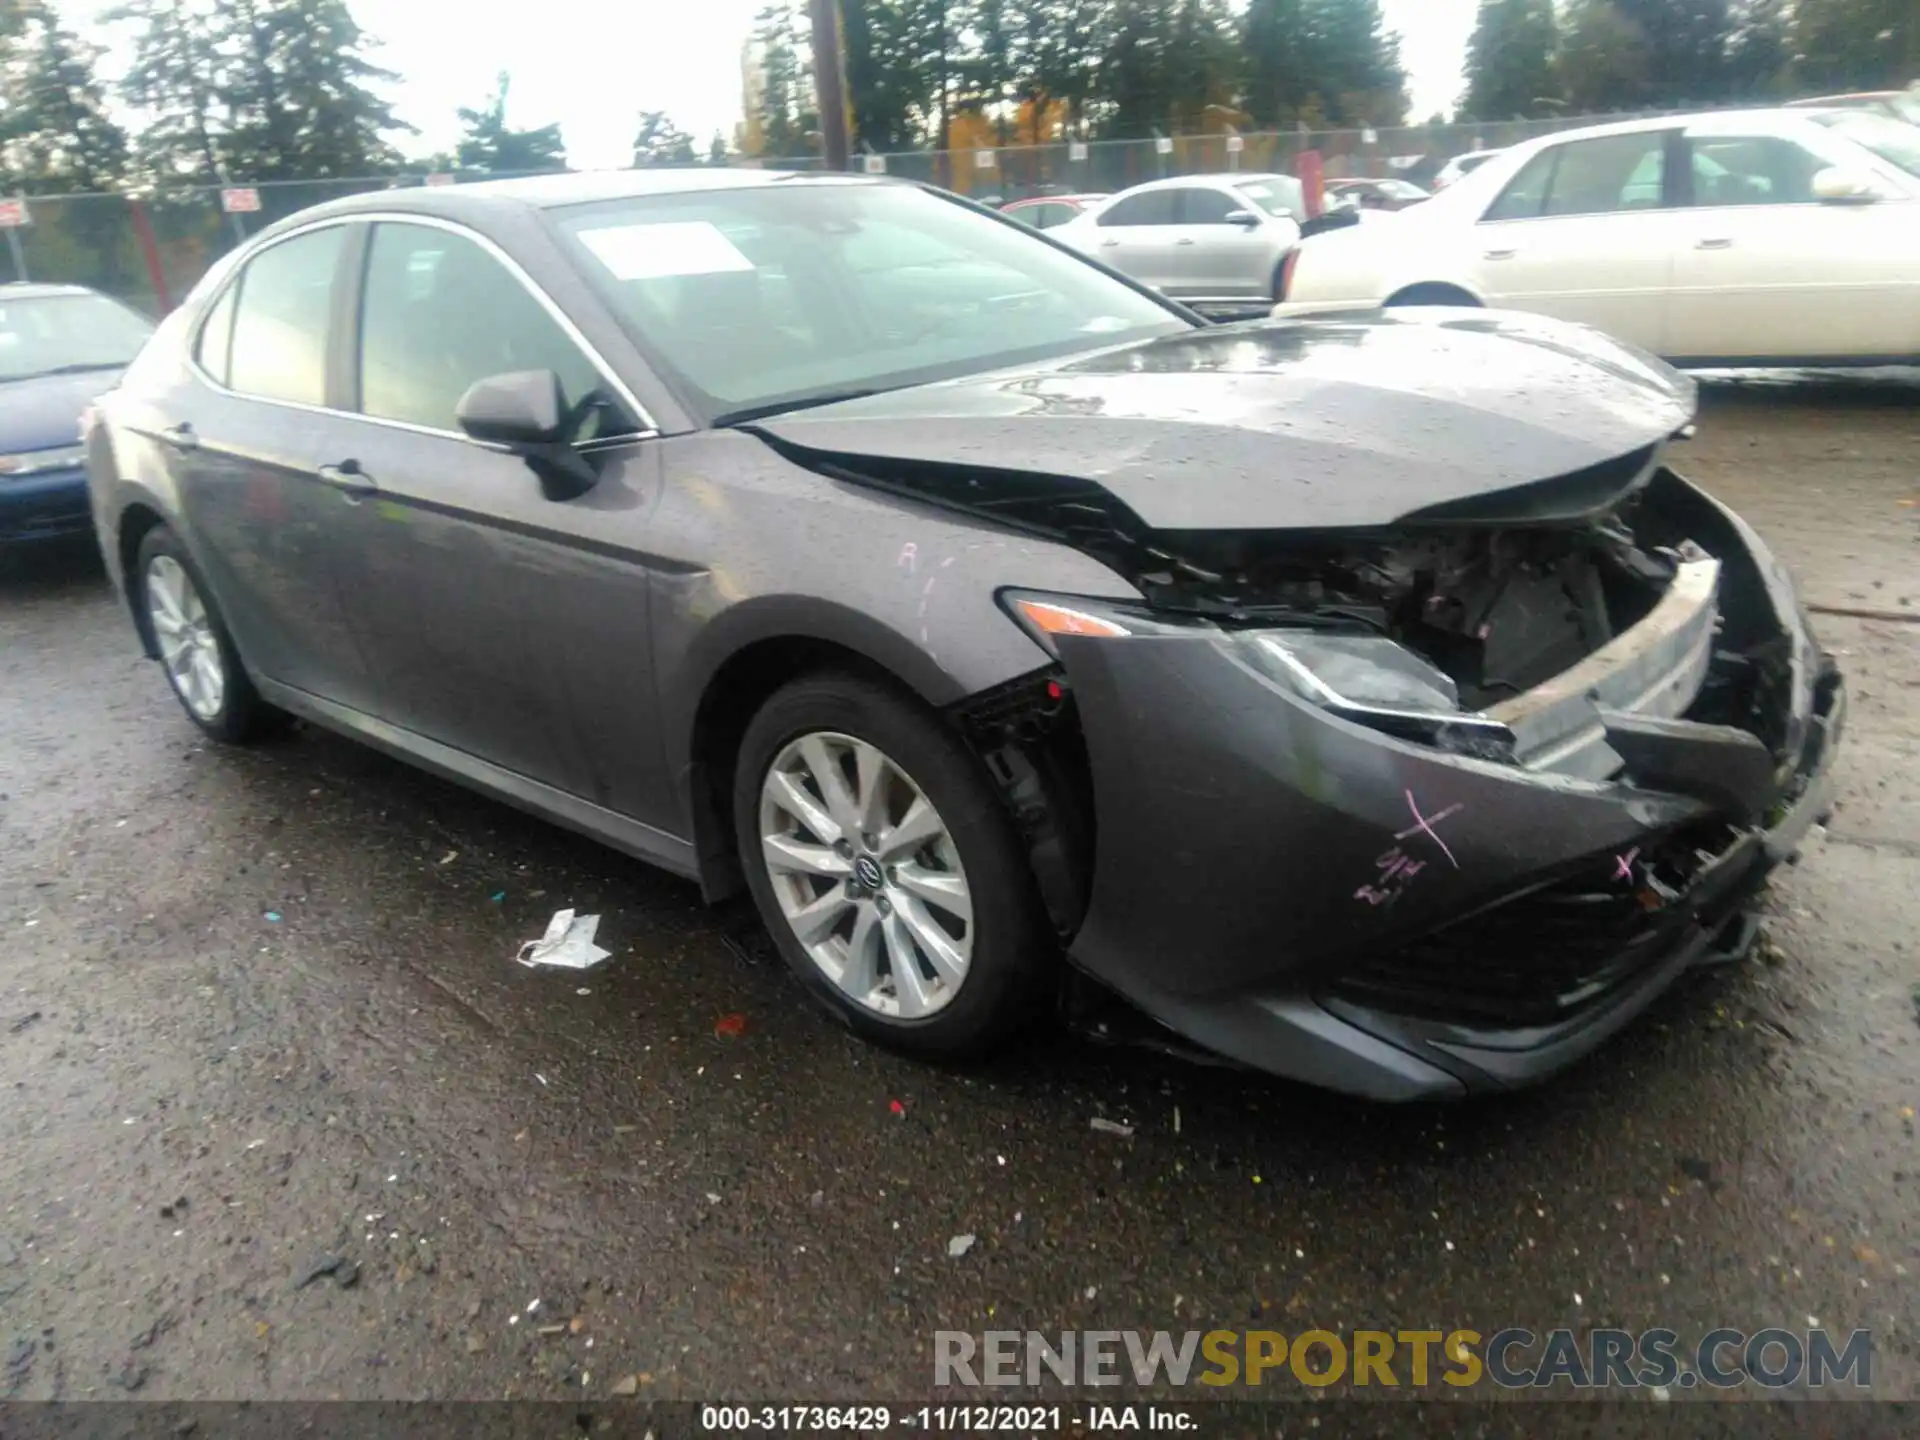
{"x": 1317, "y": 899}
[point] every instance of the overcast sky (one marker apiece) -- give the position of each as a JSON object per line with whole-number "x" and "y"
{"x": 594, "y": 65}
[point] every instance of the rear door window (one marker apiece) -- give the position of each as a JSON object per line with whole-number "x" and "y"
{"x": 1606, "y": 176}
{"x": 279, "y": 344}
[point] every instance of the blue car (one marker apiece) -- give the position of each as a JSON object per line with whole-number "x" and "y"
{"x": 60, "y": 346}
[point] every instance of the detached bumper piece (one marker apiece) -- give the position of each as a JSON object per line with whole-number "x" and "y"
{"x": 1531, "y": 983}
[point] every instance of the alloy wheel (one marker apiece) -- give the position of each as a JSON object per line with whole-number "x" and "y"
{"x": 184, "y": 631}
{"x": 866, "y": 874}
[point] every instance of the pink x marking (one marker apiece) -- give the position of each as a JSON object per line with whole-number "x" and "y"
{"x": 1623, "y": 864}
{"x": 1422, "y": 825}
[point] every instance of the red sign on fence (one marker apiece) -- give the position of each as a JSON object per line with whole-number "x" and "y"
{"x": 240, "y": 200}
{"x": 13, "y": 214}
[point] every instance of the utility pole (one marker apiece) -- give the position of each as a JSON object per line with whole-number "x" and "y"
{"x": 830, "y": 82}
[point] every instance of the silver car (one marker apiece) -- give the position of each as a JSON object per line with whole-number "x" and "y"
{"x": 1198, "y": 237}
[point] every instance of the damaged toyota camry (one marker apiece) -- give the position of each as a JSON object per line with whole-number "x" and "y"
{"x": 1367, "y": 701}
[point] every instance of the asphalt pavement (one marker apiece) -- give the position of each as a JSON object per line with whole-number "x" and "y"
{"x": 283, "y": 1118}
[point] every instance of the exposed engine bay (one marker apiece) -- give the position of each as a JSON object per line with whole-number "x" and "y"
{"x": 1500, "y": 609}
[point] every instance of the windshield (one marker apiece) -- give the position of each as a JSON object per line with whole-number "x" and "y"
{"x": 786, "y": 294}
{"x": 1276, "y": 194}
{"x": 48, "y": 334}
{"x": 1892, "y": 141}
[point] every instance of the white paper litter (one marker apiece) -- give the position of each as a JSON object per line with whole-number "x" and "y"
{"x": 959, "y": 1245}
{"x": 1111, "y": 1127}
{"x": 567, "y": 945}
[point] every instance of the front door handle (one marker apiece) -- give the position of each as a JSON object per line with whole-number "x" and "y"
{"x": 1501, "y": 254}
{"x": 1187, "y": 241}
{"x": 181, "y": 437}
{"x": 1717, "y": 242}
{"x": 1108, "y": 244}
{"x": 349, "y": 479}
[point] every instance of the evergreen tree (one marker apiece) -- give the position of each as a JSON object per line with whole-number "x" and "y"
{"x": 1357, "y": 63}
{"x": 661, "y": 142}
{"x": 1857, "y": 44}
{"x": 781, "y": 107}
{"x": 1510, "y": 59}
{"x": 1685, "y": 44}
{"x": 1279, "y": 60}
{"x": 1760, "y": 49}
{"x": 300, "y": 93}
{"x": 57, "y": 134}
{"x": 175, "y": 79}
{"x": 490, "y": 145}
{"x": 1603, "y": 62}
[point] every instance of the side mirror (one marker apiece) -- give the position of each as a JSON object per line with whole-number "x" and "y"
{"x": 527, "y": 412}
{"x": 1839, "y": 186}
{"x": 1245, "y": 219}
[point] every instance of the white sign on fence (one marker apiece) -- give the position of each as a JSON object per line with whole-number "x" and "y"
{"x": 983, "y": 160}
{"x": 1076, "y": 151}
{"x": 1369, "y": 136}
{"x": 1235, "y": 144}
{"x": 13, "y": 214}
{"x": 1162, "y": 145}
{"x": 874, "y": 164}
{"x": 441, "y": 177}
{"x": 240, "y": 200}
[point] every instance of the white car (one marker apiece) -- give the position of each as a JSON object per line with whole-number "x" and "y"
{"x": 1198, "y": 237}
{"x": 1746, "y": 238}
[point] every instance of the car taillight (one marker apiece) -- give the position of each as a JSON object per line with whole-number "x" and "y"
{"x": 1286, "y": 274}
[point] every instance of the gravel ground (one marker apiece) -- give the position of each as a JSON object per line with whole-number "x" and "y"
{"x": 259, "y": 1021}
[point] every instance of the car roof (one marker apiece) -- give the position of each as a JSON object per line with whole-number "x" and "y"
{"x": 1217, "y": 177}
{"x": 584, "y": 187}
{"x": 1777, "y": 117}
{"x": 39, "y": 290}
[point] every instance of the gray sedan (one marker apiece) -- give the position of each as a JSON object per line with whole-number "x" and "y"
{"x": 1199, "y": 237}
{"x": 1364, "y": 700}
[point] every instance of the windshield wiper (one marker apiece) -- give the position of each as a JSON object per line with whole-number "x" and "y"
{"x": 781, "y": 407}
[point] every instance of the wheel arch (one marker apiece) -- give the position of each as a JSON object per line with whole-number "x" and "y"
{"x": 762, "y": 646}
{"x": 1417, "y": 293}
{"x": 138, "y": 519}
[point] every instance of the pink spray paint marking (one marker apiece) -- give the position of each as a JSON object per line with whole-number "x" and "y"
{"x": 1623, "y": 864}
{"x": 1421, "y": 824}
{"x": 1397, "y": 868}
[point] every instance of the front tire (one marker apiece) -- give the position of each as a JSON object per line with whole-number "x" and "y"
{"x": 887, "y": 870}
{"x": 196, "y": 650}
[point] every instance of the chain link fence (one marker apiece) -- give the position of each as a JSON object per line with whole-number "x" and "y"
{"x": 150, "y": 249}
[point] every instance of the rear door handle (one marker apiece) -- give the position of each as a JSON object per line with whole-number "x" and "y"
{"x": 1108, "y": 244}
{"x": 1188, "y": 240}
{"x": 181, "y": 437}
{"x": 349, "y": 479}
{"x": 1718, "y": 242}
{"x": 1501, "y": 254}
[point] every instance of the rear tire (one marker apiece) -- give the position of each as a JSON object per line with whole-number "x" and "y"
{"x": 1433, "y": 295}
{"x": 897, "y": 889}
{"x": 179, "y": 616}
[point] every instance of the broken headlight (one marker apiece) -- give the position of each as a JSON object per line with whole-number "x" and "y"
{"x": 1368, "y": 679}
{"x": 1377, "y": 682}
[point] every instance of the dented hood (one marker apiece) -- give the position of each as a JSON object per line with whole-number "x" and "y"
{"x": 1469, "y": 416}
